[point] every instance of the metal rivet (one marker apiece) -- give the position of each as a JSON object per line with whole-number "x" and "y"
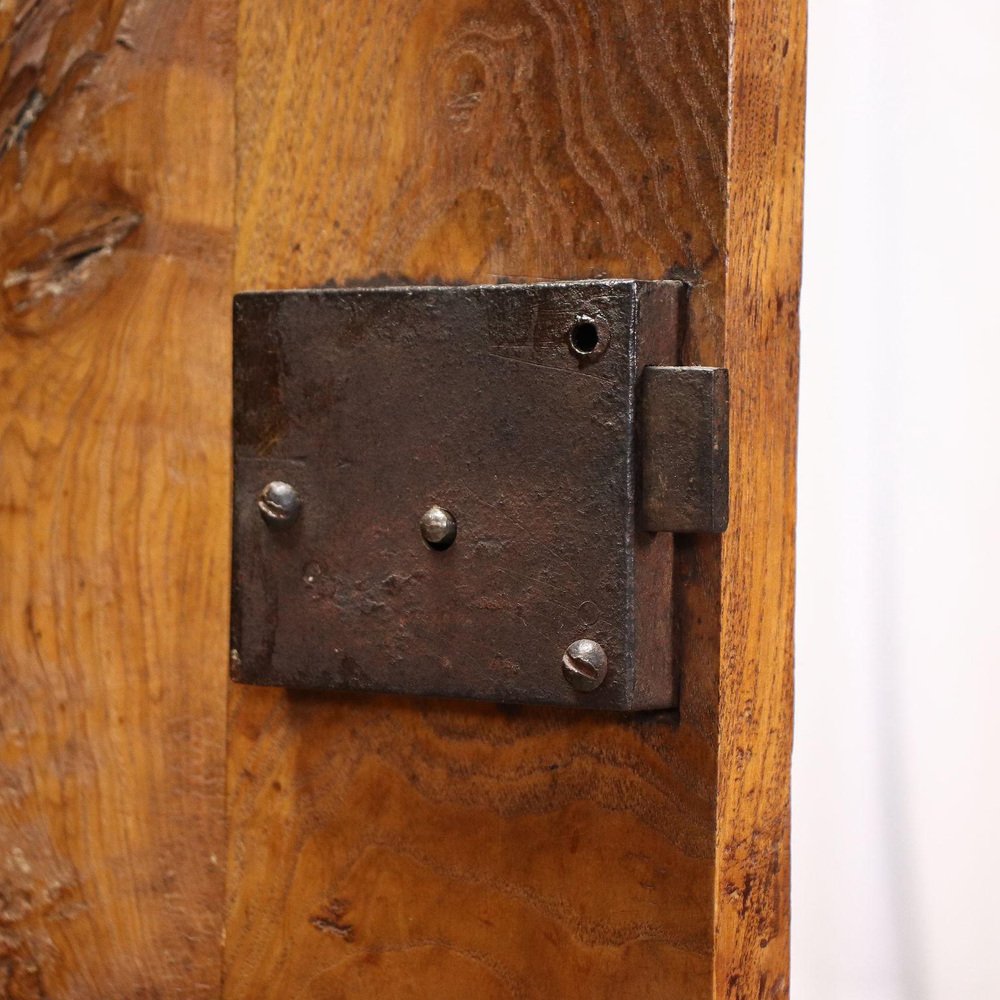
{"x": 585, "y": 665}
{"x": 438, "y": 527}
{"x": 279, "y": 504}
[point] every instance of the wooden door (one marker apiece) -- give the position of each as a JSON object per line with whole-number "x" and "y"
{"x": 158, "y": 155}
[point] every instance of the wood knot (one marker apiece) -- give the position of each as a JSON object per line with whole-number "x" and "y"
{"x": 66, "y": 258}
{"x": 330, "y": 920}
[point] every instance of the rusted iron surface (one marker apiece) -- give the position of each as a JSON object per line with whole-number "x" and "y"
{"x": 684, "y": 416}
{"x": 511, "y": 410}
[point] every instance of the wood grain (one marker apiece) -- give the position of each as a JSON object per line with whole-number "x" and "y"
{"x": 764, "y": 241}
{"x": 380, "y": 847}
{"x": 116, "y": 180}
{"x": 377, "y": 847}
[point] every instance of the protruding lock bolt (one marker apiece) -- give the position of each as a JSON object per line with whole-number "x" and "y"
{"x": 585, "y": 665}
{"x": 279, "y": 504}
{"x": 438, "y": 527}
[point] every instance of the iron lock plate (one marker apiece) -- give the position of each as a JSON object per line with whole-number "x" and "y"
{"x": 534, "y": 423}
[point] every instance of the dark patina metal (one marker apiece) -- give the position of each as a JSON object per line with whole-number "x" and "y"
{"x": 684, "y": 415}
{"x": 513, "y": 411}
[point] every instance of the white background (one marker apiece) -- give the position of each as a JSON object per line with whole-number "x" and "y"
{"x": 896, "y": 774}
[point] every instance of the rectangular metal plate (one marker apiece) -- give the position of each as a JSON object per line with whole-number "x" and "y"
{"x": 375, "y": 404}
{"x": 684, "y": 449}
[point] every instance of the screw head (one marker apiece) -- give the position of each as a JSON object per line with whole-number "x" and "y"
{"x": 438, "y": 527}
{"x": 279, "y": 504}
{"x": 585, "y": 665}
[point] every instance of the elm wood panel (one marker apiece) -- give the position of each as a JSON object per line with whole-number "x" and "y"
{"x": 437, "y": 848}
{"x": 764, "y": 241}
{"x": 116, "y": 187}
{"x": 384, "y": 847}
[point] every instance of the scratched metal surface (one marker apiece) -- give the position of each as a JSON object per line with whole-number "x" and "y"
{"x": 377, "y": 404}
{"x": 684, "y": 449}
